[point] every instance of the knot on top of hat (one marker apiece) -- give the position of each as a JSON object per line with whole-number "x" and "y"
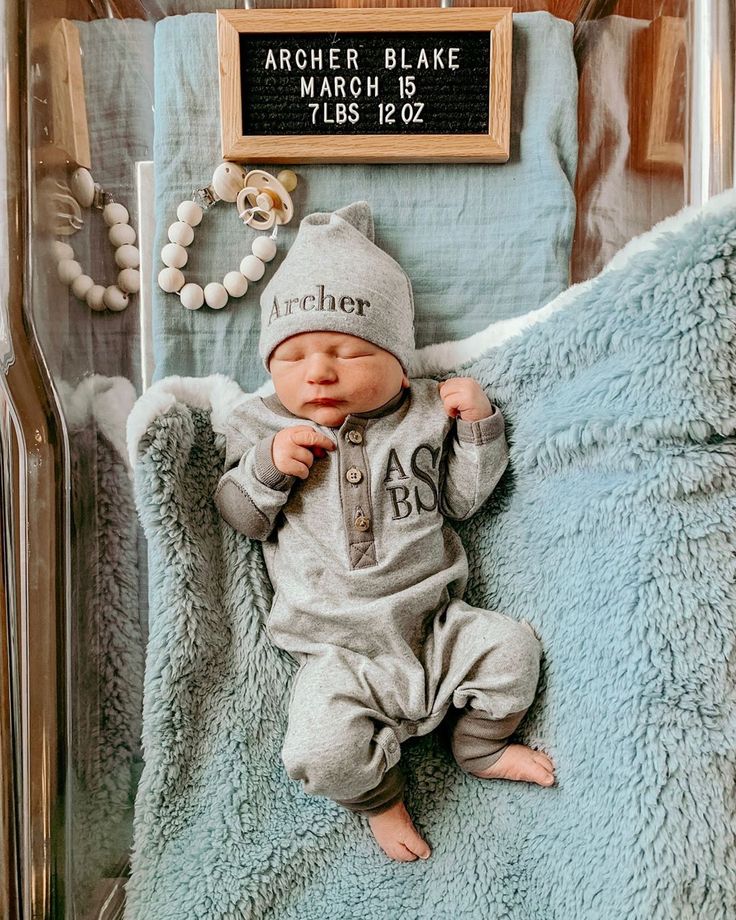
{"x": 358, "y": 214}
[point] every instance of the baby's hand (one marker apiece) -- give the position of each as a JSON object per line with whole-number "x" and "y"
{"x": 464, "y": 396}
{"x": 293, "y": 449}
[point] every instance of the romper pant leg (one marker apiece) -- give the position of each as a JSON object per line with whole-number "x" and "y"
{"x": 490, "y": 668}
{"x": 338, "y": 742}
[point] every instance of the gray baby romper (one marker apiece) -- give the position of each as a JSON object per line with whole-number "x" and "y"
{"x": 368, "y": 581}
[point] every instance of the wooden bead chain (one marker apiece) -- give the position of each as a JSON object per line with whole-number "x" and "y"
{"x": 88, "y": 193}
{"x": 235, "y": 283}
{"x": 228, "y": 184}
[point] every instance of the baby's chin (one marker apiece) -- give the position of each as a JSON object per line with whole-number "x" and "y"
{"x": 329, "y": 416}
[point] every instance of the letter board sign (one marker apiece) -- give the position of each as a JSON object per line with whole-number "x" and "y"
{"x": 365, "y": 85}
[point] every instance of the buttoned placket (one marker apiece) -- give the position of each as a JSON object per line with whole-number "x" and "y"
{"x": 355, "y": 492}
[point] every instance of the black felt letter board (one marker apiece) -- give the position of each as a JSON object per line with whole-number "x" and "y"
{"x": 427, "y": 82}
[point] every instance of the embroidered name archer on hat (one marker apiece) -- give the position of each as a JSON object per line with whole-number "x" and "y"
{"x": 318, "y": 301}
{"x": 335, "y": 279}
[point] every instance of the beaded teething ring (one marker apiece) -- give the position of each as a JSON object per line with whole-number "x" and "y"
{"x": 262, "y": 202}
{"x": 63, "y": 206}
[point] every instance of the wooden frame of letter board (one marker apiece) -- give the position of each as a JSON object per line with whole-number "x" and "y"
{"x": 365, "y": 148}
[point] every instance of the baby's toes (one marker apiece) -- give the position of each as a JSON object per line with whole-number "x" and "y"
{"x": 396, "y": 835}
{"x": 541, "y": 758}
{"x": 399, "y": 851}
{"x": 416, "y": 846}
{"x": 541, "y": 773}
{"x": 545, "y": 778}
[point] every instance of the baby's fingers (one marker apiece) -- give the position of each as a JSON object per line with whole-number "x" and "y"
{"x": 452, "y": 402}
{"x": 310, "y": 437}
{"x": 301, "y": 460}
{"x": 293, "y": 467}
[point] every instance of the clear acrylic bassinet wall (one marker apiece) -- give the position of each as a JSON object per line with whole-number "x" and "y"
{"x": 655, "y": 132}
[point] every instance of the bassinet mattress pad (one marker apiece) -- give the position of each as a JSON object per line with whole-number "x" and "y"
{"x": 480, "y": 242}
{"x": 612, "y": 532}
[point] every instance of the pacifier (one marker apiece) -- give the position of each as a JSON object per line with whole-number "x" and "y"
{"x": 264, "y": 199}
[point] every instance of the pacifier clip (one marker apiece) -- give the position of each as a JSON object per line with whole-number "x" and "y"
{"x": 262, "y": 200}
{"x": 63, "y": 205}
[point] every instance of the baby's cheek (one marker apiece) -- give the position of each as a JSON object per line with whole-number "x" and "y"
{"x": 289, "y": 387}
{"x": 374, "y": 383}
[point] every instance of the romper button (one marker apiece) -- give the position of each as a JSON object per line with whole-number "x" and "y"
{"x": 362, "y": 522}
{"x": 411, "y": 728}
{"x": 355, "y": 437}
{"x": 353, "y": 474}
{"x": 391, "y": 746}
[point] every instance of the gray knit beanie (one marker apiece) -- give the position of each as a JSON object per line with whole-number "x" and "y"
{"x": 335, "y": 279}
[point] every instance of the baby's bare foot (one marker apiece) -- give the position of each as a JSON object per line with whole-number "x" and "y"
{"x": 521, "y": 763}
{"x": 396, "y": 835}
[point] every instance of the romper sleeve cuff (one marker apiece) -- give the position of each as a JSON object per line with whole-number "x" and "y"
{"x": 483, "y": 431}
{"x": 265, "y": 471}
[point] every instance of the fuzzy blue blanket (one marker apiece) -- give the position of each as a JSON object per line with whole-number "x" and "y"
{"x": 613, "y": 531}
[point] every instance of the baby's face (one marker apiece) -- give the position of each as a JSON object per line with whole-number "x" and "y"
{"x": 326, "y": 376}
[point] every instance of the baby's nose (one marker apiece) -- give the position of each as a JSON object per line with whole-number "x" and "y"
{"x": 321, "y": 370}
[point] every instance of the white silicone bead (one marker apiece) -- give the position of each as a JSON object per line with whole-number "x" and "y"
{"x": 235, "y": 284}
{"x": 68, "y": 270}
{"x": 253, "y": 268}
{"x": 215, "y": 295}
{"x": 115, "y": 299}
{"x": 264, "y": 247}
{"x": 96, "y": 297}
{"x": 120, "y": 234}
{"x": 181, "y": 233}
{"x": 127, "y": 256}
{"x": 129, "y": 280}
{"x": 192, "y": 296}
{"x": 170, "y": 280}
{"x": 81, "y": 285}
{"x": 190, "y": 213}
{"x": 115, "y": 214}
{"x": 174, "y": 255}
{"x": 227, "y": 180}
{"x": 83, "y": 186}
{"x": 61, "y": 250}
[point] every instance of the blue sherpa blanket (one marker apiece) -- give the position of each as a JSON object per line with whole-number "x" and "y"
{"x": 613, "y": 531}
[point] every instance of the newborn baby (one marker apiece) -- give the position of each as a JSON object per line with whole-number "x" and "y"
{"x": 347, "y": 474}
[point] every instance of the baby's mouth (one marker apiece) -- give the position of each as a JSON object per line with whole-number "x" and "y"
{"x": 325, "y": 402}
